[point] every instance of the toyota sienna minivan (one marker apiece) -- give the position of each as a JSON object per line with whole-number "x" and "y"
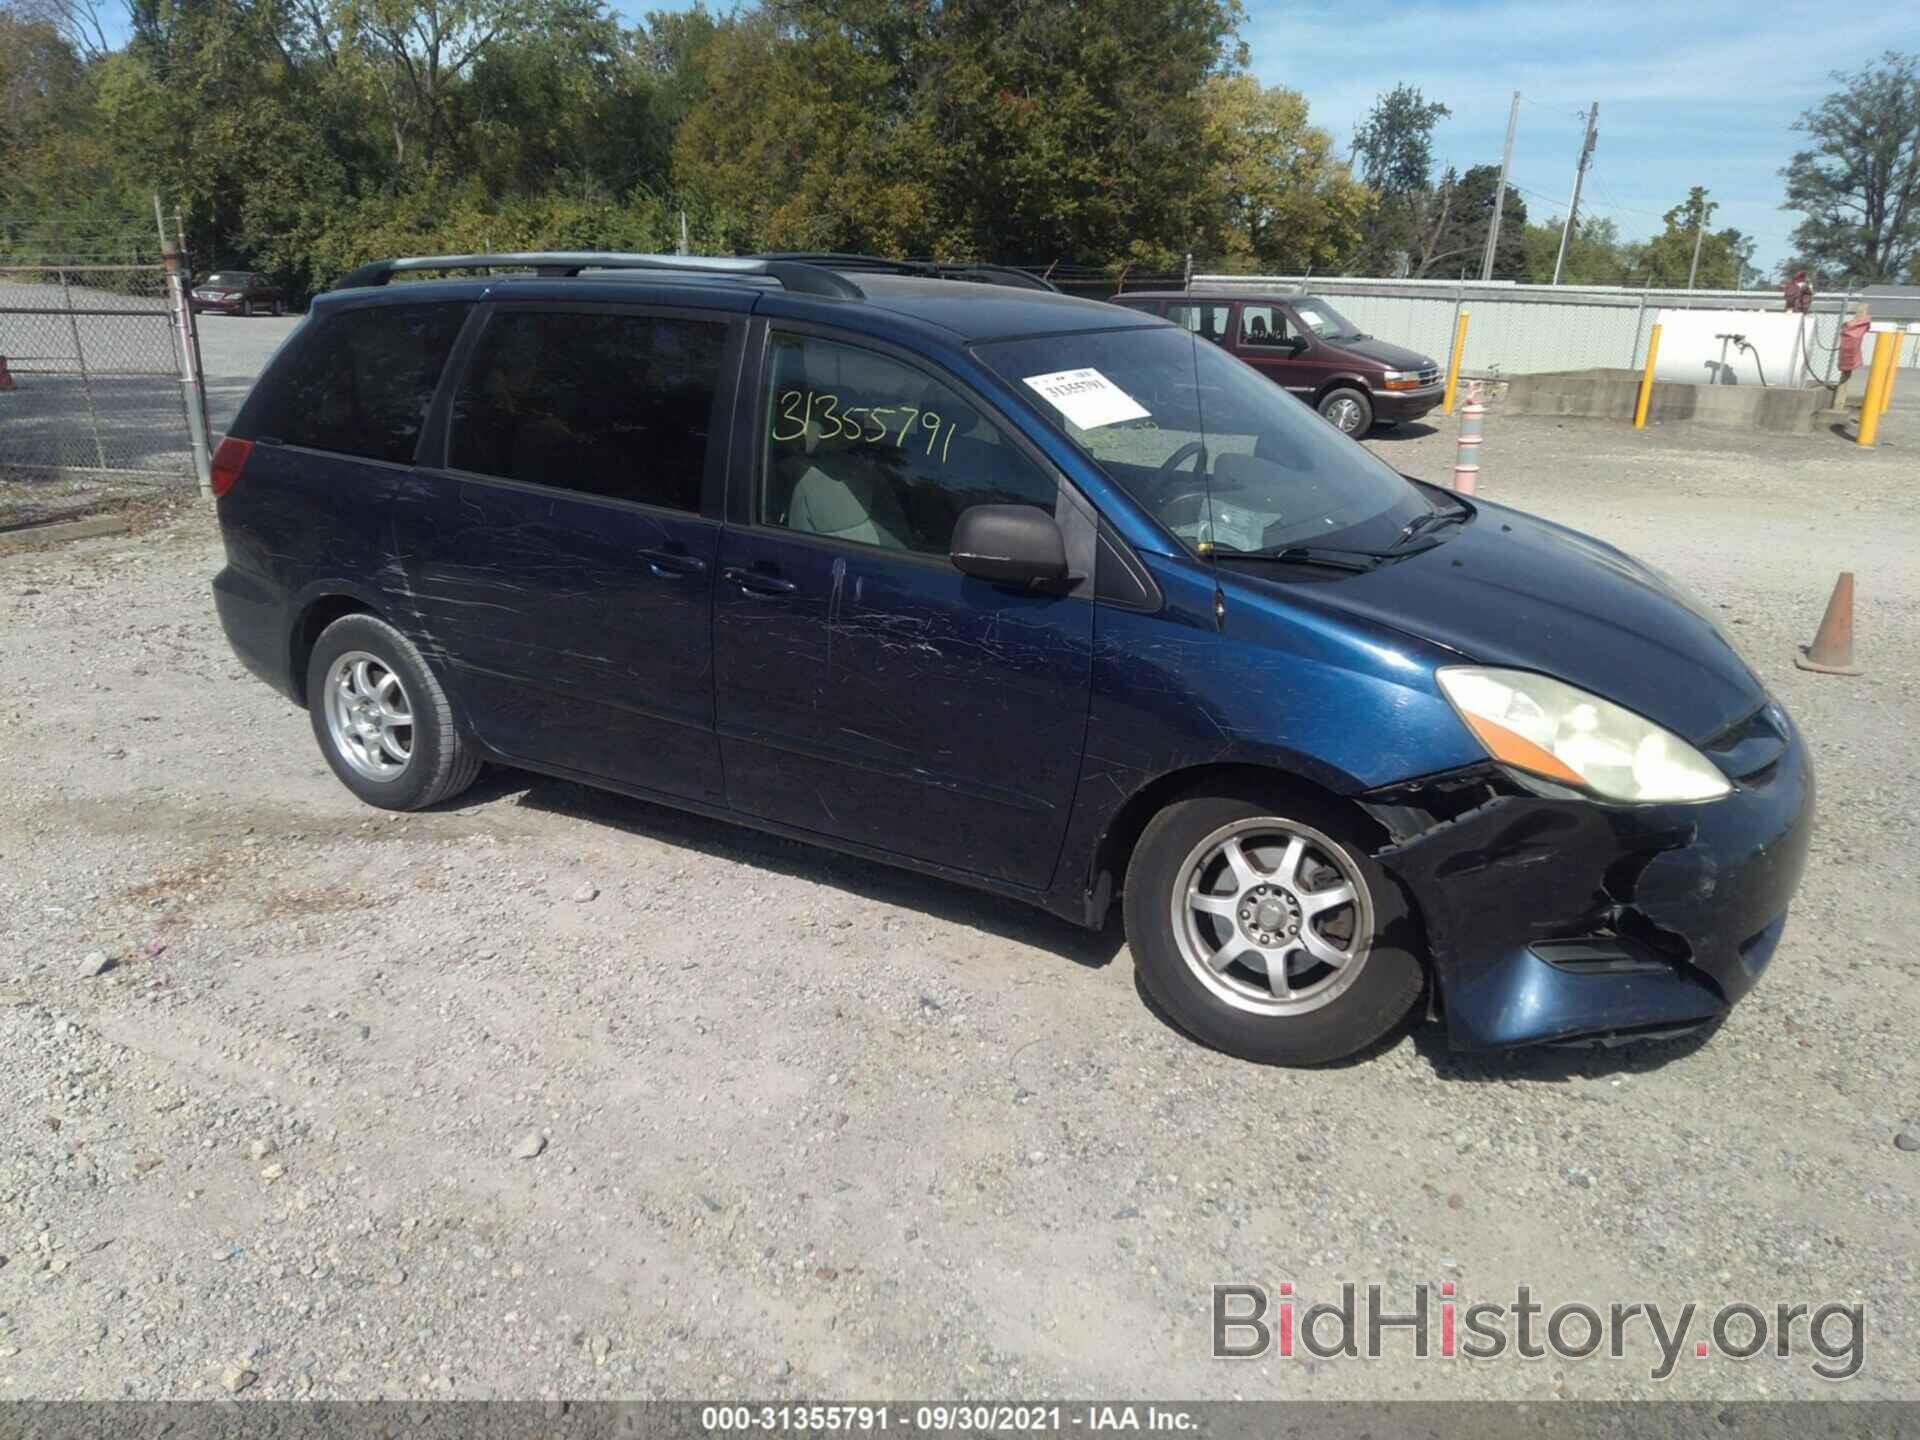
{"x": 1032, "y": 593}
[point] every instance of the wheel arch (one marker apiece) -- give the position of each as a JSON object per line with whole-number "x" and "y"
{"x": 1343, "y": 382}
{"x": 1107, "y": 874}
{"x": 315, "y": 614}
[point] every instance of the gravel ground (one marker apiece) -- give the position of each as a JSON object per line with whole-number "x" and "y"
{"x": 555, "y": 1093}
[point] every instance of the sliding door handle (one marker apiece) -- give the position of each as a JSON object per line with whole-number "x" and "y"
{"x": 669, "y": 563}
{"x": 757, "y": 582}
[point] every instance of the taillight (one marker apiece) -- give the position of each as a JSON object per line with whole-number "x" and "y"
{"x": 228, "y": 461}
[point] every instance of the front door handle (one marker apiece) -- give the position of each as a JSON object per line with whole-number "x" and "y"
{"x": 757, "y": 582}
{"x": 669, "y": 563}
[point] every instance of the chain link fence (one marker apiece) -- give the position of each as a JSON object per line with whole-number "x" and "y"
{"x": 97, "y": 383}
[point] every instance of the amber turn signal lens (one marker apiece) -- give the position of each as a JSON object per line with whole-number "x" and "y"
{"x": 1516, "y": 750}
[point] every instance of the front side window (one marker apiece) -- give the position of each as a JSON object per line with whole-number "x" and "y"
{"x": 1222, "y": 455}
{"x": 610, "y": 404}
{"x": 1262, "y": 325}
{"x": 860, "y": 447}
{"x": 361, "y": 380}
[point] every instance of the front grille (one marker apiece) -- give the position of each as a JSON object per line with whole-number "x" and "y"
{"x": 1430, "y": 375}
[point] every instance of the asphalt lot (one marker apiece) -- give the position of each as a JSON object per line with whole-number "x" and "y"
{"x": 793, "y": 1125}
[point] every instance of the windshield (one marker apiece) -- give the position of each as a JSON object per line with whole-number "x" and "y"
{"x": 1325, "y": 321}
{"x": 1217, "y": 451}
{"x": 229, "y": 277}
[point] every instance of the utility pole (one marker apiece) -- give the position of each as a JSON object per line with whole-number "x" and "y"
{"x": 1579, "y": 175}
{"x": 1699, "y": 232}
{"x": 1500, "y": 195}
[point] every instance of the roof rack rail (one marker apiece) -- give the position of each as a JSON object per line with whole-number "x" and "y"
{"x": 932, "y": 269}
{"x": 793, "y": 274}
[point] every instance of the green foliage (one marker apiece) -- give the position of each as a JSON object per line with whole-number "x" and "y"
{"x": 1595, "y": 254}
{"x": 303, "y": 137}
{"x": 1858, "y": 184}
{"x": 1457, "y": 242}
{"x": 1394, "y": 145}
{"x": 1666, "y": 261}
{"x": 1280, "y": 198}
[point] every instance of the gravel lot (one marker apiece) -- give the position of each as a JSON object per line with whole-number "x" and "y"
{"x": 555, "y": 1093}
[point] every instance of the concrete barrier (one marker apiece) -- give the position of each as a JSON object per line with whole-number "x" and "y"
{"x": 1611, "y": 395}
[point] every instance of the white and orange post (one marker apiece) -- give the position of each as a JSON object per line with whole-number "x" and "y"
{"x": 1466, "y": 463}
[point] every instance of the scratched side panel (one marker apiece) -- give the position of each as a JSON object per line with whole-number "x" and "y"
{"x": 897, "y": 703}
{"x": 1272, "y": 682}
{"x": 566, "y": 647}
{"x": 299, "y": 524}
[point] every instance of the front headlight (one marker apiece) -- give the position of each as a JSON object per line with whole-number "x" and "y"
{"x": 1401, "y": 380}
{"x": 1542, "y": 726}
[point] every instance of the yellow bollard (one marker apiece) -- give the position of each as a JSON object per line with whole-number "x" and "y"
{"x": 1646, "y": 379}
{"x": 1893, "y": 373}
{"x": 1885, "y": 345}
{"x": 1453, "y": 367}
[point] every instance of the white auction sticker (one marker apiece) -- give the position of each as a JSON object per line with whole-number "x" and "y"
{"x": 1087, "y": 398}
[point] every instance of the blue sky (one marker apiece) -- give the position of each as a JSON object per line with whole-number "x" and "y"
{"x": 1698, "y": 92}
{"x": 1701, "y": 92}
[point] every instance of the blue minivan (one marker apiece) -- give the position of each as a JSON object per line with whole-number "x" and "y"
{"x": 1037, "y": 594}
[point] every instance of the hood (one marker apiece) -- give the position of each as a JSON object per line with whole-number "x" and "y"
{"x": 1510, "y": 589}
{"x": 1394, "y": 357}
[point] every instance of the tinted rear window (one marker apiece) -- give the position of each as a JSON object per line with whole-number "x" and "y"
{"x": 609, "y": 404}
{"x": 360, "y": 381}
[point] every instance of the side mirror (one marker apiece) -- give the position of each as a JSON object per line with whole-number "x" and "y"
{"x": 1009, "y": 545}
{"x": 1296, "y": 343}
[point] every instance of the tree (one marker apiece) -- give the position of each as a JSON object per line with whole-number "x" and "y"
{"x": 1394, "y": 146}
{"x": 1666, "y": 261}
{"x": 1595, "y": 255}
{"x": 1457, "y": 240}
{"x": 1055, "y": 129}
{"x": 1859, "y": 183}
{"x": 1280, "y": 199}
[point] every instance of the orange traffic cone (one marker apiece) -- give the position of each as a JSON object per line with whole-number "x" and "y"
{"x": 1832, "y": 650}
{"x": 6, "y": 380}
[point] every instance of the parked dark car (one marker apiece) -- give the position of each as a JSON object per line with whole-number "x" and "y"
{"x": 238, "y": 292}
{"x": 1303, "y": 344}
{"x": 1029, "y": 592}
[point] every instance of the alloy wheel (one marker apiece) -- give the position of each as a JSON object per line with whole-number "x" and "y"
{"x": 1272, "y": 916}
{"x": 369, "y": 716}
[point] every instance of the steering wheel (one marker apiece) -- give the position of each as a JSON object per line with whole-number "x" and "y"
{"x": 1166, "y": 477}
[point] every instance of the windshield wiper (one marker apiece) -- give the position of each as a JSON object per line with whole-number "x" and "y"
{"x": 1433, "y": 519}
{"x": 1357, "y": 561}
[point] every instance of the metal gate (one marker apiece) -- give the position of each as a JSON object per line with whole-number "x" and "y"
{"x": 99, "y": 392}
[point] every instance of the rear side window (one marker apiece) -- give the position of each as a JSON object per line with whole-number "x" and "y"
{"x": 1207, "y": 321}
{"x": 361, "y": 381}
{"x": 605, "y": 404}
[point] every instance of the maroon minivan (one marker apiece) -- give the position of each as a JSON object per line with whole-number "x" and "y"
{"x": 1302, "y": 343}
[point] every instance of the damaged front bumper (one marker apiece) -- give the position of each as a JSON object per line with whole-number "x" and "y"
{"x": 1554, "y": 917}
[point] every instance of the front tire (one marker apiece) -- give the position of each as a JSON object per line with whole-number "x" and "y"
{"x": 1265, "y": 930}
{"x": 382, "y": 719}
{"x": 1348, "y": 410}
{"x": 246, "y": 309}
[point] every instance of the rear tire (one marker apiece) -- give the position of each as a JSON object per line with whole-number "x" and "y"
{"x": 1348, "y": 410}
{"x": 1186, "y": 911}
{"x": 382, "y": 718}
